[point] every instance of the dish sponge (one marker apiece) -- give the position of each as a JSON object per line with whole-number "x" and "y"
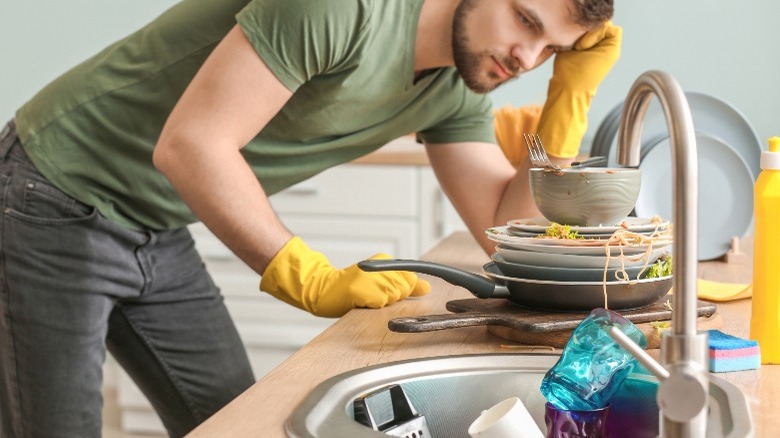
{"x": 730, "y": 353}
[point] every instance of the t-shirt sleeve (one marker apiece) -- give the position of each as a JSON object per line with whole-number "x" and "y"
{"x": 299, "y": 39}
{"x": 471, "y": 121}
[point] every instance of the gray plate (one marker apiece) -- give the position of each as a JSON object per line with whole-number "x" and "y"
{"x": 574, "y": 260}
{"x": 606, "y": 131}
{"x": 519, "y": 270}
{"x": 725, "y": 192}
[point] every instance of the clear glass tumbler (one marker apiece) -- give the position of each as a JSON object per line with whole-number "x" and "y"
{"x": 592, "y": 366}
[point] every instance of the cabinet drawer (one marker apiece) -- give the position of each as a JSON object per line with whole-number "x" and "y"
{"x": 263, "y": 309}
{"x": 262, "y": 336}
{"x": 346, "y": 241}
{"x": 389, "y": 191}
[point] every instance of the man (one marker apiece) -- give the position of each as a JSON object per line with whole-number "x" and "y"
{"x": 202, "y": 115}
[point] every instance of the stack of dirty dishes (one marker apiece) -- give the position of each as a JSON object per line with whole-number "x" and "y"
{"x": 586, "y": 252}
{"x": 542, "y": 250}
{"x": 622, "y": 266}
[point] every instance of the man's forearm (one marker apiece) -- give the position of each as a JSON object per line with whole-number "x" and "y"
{"x": 222, "y": 191}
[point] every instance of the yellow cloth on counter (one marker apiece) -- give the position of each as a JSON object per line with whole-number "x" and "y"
{"x": 717, "y": 291}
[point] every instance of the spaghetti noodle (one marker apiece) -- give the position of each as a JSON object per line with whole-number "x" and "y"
{"x": 625, "y": 238}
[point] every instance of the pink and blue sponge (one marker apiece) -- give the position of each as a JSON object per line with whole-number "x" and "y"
{"x": 730, "y": 353}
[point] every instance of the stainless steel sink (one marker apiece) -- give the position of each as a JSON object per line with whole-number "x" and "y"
{"x": 450, "y": 392}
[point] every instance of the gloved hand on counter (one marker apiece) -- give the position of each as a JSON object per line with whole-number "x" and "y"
{"x": 576, "y": 76}
{"x": 305, "y": 279}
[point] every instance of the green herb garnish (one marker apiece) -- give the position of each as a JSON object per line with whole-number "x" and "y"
{"x": 661, "y": 268}
{"x": 660, "y": 326}
{"x": 561, "y": 232}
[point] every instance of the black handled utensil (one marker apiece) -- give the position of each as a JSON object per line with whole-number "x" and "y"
{"x": 478, "y": 285}
{"x": 590, "y": 162}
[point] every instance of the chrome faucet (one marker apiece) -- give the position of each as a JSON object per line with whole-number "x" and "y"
{"x": 683, "y": 392}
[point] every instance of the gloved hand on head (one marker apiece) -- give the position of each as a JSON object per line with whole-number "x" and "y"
{"x": 305, "y": 279}
{"x": 576, "y": 76}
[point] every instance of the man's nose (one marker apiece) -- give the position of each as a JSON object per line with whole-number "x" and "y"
{"x": 528, "y": 55}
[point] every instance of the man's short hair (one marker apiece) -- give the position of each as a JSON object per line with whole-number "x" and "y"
{"x": 592, "y": 13}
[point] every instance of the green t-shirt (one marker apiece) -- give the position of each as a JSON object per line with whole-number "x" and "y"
{"x": 349, "y": 62}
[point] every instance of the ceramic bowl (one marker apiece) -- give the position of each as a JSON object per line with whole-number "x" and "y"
{"x": 589, "y": 196}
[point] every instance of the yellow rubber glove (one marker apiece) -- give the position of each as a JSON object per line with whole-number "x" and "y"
{"x": 576, "y": 76}
{"x": 510, "y": 123}
{"x": 305, "y": 279}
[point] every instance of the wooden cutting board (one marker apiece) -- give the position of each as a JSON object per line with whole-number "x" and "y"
{"x": 534, "y": 327}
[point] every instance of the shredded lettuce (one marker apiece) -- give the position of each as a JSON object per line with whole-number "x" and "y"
{"x": 661, "y": 268}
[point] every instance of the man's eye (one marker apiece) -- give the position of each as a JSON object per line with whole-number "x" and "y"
{"x": 552, "y": 49}
{"x": 524, "y": 21}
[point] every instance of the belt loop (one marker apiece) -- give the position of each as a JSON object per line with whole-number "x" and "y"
{"x": 7, "y": 138}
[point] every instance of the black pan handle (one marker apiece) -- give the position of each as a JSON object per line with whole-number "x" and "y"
{"x": 478, "y": 285}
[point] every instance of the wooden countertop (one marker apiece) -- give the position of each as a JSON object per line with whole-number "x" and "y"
{"x": 361, "y": 339}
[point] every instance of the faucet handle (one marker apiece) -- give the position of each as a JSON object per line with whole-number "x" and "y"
{"x": 682, "y": 395}
{"x": 639, "y": 354}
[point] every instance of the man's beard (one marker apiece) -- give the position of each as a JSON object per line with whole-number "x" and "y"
{"x": 467, "y": 62}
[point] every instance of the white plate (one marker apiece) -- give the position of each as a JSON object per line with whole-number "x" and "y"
{"x": 579, "y": 250}
{"x": 506, "y": 234}
{"x": 725, "y": 192}
{"x": 572, "y": 260}
{"x": 518, "y": 233}
{"x": 635, "y": 224}
{"x": 564, "y": 246}
{"x": 712, "y": 116}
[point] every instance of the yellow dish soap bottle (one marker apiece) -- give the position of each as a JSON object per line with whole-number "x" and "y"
{"x": 765, "y": 317}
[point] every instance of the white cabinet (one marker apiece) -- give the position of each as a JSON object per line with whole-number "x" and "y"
{"x": 438, "y": 217}
{"x": 349, "y": 213}
{"x": 354, "y": 211}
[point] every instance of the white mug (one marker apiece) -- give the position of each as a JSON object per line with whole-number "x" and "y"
{"x": 507, "y": 419}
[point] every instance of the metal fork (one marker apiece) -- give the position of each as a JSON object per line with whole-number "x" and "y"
{"x": 536, "y": 152}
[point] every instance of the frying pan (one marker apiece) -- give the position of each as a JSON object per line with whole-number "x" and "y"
{"x": 568, "y": 296}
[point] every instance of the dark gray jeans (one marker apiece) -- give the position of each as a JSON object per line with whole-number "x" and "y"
{"x": 72, "y": 284}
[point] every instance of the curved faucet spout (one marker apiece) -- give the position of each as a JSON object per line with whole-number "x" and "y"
{"x": 684, "y": 388}
{"x": 685, "y": 180}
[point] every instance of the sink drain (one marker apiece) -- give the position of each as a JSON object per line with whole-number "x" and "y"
{"x": 388, "y": 410}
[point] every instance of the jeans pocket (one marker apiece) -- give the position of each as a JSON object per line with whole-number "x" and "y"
{"x": 33, "y": 198}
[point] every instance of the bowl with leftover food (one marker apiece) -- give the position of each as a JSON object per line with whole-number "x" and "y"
{"x": 589, "y": 196}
